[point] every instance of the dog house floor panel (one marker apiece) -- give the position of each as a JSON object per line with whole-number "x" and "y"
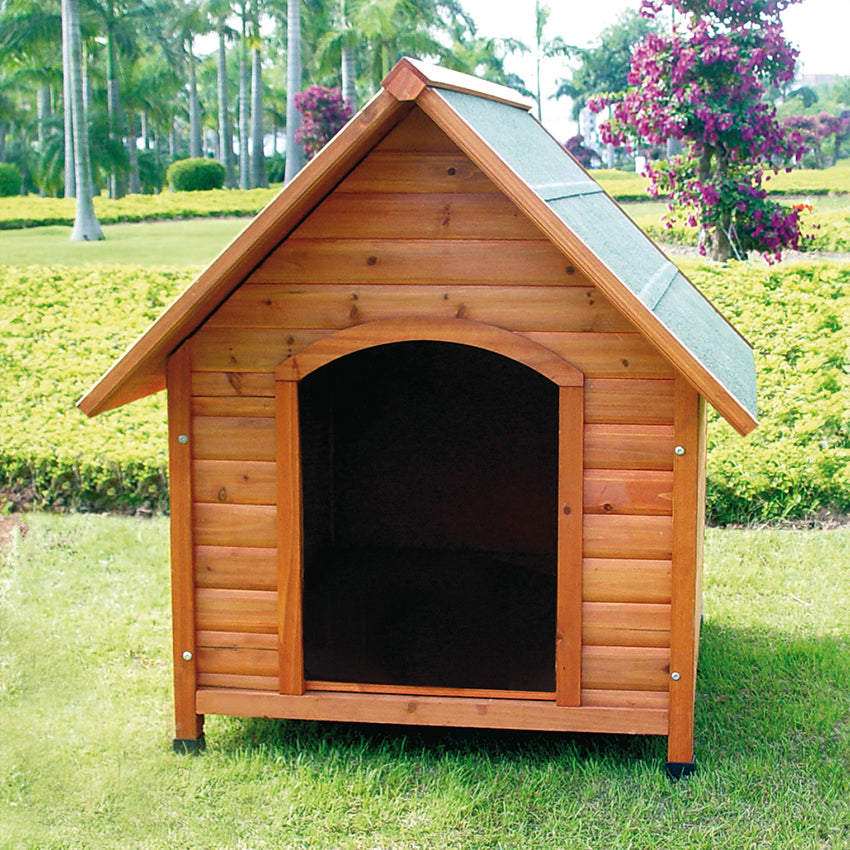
{"x": 431, "y": 619}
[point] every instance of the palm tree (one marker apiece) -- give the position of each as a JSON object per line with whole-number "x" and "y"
{"x": 86, "y": 226}
{"x": 294, "y": 153}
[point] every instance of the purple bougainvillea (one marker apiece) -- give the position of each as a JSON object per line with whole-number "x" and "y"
{"x": 706, "y": 83}
{"x": 324, "y": 113}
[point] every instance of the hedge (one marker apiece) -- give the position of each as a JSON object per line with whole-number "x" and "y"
{"x": 32, "y": 211}
{"x": 60, "y": 328}
{"x": 195, "y": 175}
{"x": 10, "y": 180}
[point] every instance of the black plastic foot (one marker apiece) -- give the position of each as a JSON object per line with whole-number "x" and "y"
{"x": 680, "y": 769}
{"x": 189, "y": 746}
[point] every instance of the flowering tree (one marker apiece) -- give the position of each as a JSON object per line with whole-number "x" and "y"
{"x": 324, "y": 113}
{"x": 706, "y": 84}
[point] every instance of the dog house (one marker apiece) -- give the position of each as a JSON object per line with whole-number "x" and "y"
{"x": 437, "y": 434}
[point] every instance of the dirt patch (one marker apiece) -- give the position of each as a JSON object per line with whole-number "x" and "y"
{"x": 12, "y": 527}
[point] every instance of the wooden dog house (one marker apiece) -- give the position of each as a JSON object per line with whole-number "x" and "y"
{"x": 437, "y": 439}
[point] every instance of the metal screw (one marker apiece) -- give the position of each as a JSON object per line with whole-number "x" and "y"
{"x": 183, "y": 439}
{"x": 187, "y": 656}
{"x": 675, "y": 676}
{"x": 680, "y": 450}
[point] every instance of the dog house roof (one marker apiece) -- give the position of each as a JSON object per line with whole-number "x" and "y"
{"x": 495, "y": 129}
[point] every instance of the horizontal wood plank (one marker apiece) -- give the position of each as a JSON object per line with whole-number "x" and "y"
{"x": 625, "y": 624}
{"x": 626, "y": 580}
{"x": 433, "y": 711}
{"x": 236, "y": 567}
{"x": 625, "y": 400}
{"x": 234, "y": 482}
{"x": 238, "y": 683}
{"x": 240, "y": 350}
{"x": 314, "y": 307}
{"x": 411, "y": 261}
{"x": 625, "y": 668}
{"x": 237, "y": 660}
{"x": 251, "y": 526}
{"x": 236, "y": 640}
{"x": 628, "y": 447}
{"x": 250, "y": 407}
{"x": 417, "y": 171}
{"x": 232, "y": 438}
{"x": 659, "y": 700}
{"x": 628, "y": 537}
{"x": 426, "y": 690}
{"x": 245, "y": 384}
{"x": 374, "y": 215}
{"x": 606, "y": 355}
{"x": 236, "y": 610}
{"x": 628, "y": 491}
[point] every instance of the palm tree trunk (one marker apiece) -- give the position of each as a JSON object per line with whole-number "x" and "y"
{"x": 294, "y": 152}
{"x": 195, "y": 143}
{"x": 258, "y": 158}
{"x": 113, "y": 109}
{"x": 86, "y": 226}
{"x": 67, "y": 106}
{"x": 244, "y": 149}
{"x": 135, "y": 187}
{"x": 224, "y": 134}
{"x": 349, "y": 74}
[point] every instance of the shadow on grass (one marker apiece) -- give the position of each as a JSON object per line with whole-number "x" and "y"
{"x": 761, "y": 695}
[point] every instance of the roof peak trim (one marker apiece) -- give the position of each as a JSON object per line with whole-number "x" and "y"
{"x": 410, "y": 76}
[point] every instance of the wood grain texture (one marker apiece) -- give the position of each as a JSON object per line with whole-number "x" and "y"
{"x": 221, "y": 524}
{"x": 630, "y": 401}
{"x": 426, "y": 691}
{"x": 625, "y": 624}
{"x": 237, "y": 640}
{"x": 417, "y": 171}
{"x": 237, "y": 660}
{"x": 600, "y": 354}
{"x": 246, "y": 407}
{"x": 320, "y": 307}
{"x": 236, "y": 567}
{"x": 625, "y": 668}
{"x": 233, "y": 438}
{"x": 627, "y": 580}
{"x": 241, "y": 351}
{"x": 657, "y": 700}
{"x": 570, "y": 512}
{"x": 289, "y": 535}
{"x": 434, "y": 711}
{"x": 459, "y": 331}
{"x": 629, "y": 447}
{"x": 417, "y": 132}
{"x": 420, "y": 215}
{"x": 232, "y": 384}
{"x": 188, "y": 723}
{"x": 233, "y": 682}
{"x": 607, "y": 536}
{"x": 643, "y": 492}
{"x": 410, "y": 261}
{"x": 234, "y": 482}
{"x": 218, "y": 610}
{"x": 688, "y": 520}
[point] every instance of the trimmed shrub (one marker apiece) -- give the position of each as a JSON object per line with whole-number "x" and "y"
{"x": 194, "y": 175}
{"x": 10, "y": 180}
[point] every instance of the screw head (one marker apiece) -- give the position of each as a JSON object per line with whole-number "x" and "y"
{"x": 680, "y": 450}
{"x": 675, "y": 676}
{"x": 183, "y": 439}
{"x": 187, "y": 656}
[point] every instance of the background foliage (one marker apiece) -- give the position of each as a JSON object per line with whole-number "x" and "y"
{"x": 60, "y": 328}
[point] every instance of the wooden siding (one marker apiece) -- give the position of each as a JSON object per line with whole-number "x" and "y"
{"x": 417, "y": 230}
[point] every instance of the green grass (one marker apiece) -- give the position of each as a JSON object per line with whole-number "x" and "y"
{"x": 179, "y": 244}
{"x": 85, "y": 726}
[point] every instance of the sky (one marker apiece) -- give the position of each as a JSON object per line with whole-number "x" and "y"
{"x": 820, "y": 29}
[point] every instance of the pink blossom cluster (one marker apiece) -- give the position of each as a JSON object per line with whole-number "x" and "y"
{"x": 707, "y": 84}
{"x": 324, "y": 113}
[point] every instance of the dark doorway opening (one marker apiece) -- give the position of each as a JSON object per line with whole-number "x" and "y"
{"x": 430, "y": 486}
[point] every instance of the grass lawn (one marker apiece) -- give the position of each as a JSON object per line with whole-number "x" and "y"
{"x": 179, "y": 244}
{"x": 85, "y": 725}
